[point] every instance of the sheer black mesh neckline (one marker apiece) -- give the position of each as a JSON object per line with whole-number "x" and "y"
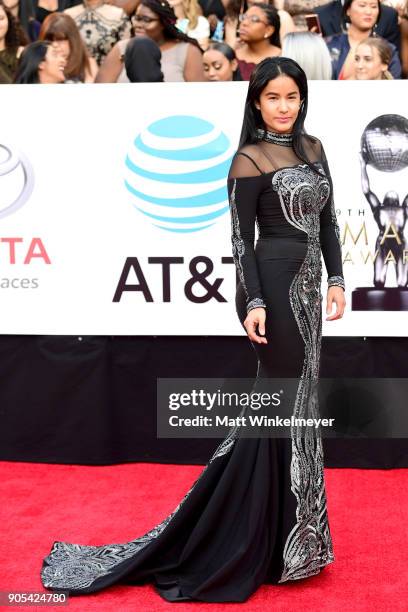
{"x": 265, "y": 157}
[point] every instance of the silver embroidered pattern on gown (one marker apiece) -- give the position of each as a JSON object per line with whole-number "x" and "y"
{"x": 238, "y": 251}
{"x": 77, "y": 566}
{"x": 309, "y": 545}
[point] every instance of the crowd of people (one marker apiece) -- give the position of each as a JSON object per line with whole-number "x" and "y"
{"x": 108, "y": 41}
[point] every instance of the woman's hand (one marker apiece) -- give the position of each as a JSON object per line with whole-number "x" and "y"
{"x": 256, "y": 319}
{"x": 335, "y": 294}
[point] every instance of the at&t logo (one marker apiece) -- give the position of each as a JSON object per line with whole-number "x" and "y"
{"x": 176, "y": 173}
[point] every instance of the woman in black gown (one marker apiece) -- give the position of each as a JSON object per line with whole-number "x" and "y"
{"x": 257, "y": 512}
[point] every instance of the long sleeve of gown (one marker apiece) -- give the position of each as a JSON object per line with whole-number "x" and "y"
{"x": 330, "y": 236}
{"x": 243, "y": 193}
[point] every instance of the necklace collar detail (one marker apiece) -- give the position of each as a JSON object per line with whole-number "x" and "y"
{"x": 278, "y": 138}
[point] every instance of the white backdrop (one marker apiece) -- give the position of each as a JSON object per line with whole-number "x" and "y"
{"x": 63, "y": 252}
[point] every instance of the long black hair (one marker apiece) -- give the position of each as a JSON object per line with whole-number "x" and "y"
{"x": 267, "y": 70}
{"x": 30, "y": 60}
{"x": 168, "y": 20}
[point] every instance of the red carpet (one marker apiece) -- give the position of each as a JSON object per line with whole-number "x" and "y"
{"x": 368, "y": 513}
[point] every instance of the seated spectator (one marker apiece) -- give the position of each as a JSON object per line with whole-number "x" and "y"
{"x": 311, "y": 53}
{"x": 259, "y": 30}
{"x": 23, "y": 10}
{"x": 331, "y": 18}
{"x": 40, "y": 62}
{"x": 190, "y": 21}
{"x": 143, "y": 61}
{"x": 181, "y": 55}
{"x": 43, "y": 8}
{"x": 362, "y": 16}
{"x": 101, "y": 25}
{"x": 12, "y": 41}
{"x": 61, "y": 29}
{"x": 220, "y": 63}
{"x": 237, "y": 7}
{"x": 372, "y": 60}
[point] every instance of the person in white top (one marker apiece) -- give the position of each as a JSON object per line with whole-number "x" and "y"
{"x": 190, "y": 22}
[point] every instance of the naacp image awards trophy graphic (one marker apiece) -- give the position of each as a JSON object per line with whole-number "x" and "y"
{"x": 384, "y": 146}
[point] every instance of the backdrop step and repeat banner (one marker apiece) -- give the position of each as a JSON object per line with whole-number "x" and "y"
{"x": 114, "y": 214}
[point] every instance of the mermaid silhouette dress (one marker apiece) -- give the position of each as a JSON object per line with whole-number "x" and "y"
{"x": 257, "y": 513}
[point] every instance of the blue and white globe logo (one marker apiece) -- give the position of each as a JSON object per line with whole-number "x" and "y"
{"x": 176, "y": 173}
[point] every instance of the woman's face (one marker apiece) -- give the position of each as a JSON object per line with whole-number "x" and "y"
{"x": 63, "y": 47}
{"x": 363, "y": 14}
{"x": 254, "y": 25}
{"x": 279, "y": 104}
{"x": 3, "y": 23}
{"x": 147, "y": 23}
{"x": 51, "y": 69}
{"x": 217, "y": 67}
{"x": 368, "y": 64}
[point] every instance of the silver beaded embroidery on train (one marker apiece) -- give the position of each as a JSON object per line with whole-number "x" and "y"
{"x": 77, "y": 566}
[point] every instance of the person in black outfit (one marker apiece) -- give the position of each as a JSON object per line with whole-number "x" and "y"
{"x": 257, "y": 513}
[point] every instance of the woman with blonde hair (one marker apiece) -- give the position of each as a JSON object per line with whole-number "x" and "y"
{"x": 62, "y": 30}
{"x": 372, "y": 59}
{"x": 190, "y": 20}
{"x": 311, "y": 53}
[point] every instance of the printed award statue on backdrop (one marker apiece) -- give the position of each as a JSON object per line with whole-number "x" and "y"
{"x": 384, "y": 146}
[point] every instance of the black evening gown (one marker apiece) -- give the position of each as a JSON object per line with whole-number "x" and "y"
{"x": 257, "y": 513}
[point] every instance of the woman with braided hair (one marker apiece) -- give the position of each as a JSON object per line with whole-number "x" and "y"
{"x": 181, "y": 55}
